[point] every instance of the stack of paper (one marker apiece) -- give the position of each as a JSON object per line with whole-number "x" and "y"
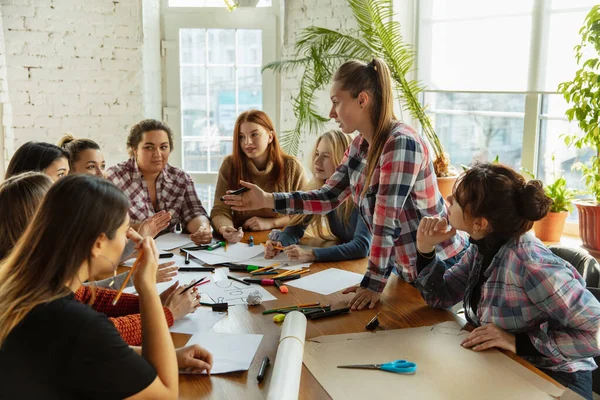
{"x": 201, "y": 320}
{"x": 231, "y": 352}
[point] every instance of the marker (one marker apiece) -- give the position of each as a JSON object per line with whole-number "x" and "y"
{"x": 289, "y": 277}
{"x": 233, "y": 278}
{"x": 165, "y": 255}
{"x": 282, "y": 288}
{"x": 331, "y": 313}
{"x": 254, "y": 273}
{"x": 198, "y": 269}
{"x": 263, "y": 282}
{"x": 251, "y": 241}
{"x": 263, "y": 369}
{"x": 241, "y": 267}
{"x": 235, "y": 193}
{"x": 187, "y": 257}
{"x": 216, "y": 246}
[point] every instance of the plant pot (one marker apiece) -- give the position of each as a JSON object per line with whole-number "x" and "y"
{"x": 589, "y": 225}
{"x": 550, "y": 228}
{"x": 445, "y": 185}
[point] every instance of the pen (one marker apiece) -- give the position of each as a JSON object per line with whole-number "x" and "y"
{"x": 264, "y": 282}
{"x": 165, "y": 255}
{"x": 288, "y": 278}
{"x": 187, "y": 257}
{"x": 247, "y": 268}
{"x": 263, "y": 369}
{"x": 200, "y": 282}
{"x": 233, "y": 278}
{"x": 251, "y": 241}
{"x": 235, "y": 193}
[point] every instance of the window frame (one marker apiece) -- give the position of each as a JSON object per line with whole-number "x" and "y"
{"x": 538, "y": 52}
{"x": 175, "y": 18}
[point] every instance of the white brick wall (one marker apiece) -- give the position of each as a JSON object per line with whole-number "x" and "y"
{"x": 299, "y": 14}
{"x": 75, "y": 66}
{"x": 5, "y": 106}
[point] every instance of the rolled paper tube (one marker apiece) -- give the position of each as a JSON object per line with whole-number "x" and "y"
{"x": 285, "y": 379}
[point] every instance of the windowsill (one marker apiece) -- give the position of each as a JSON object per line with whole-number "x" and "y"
{"x": 572, "y": 241}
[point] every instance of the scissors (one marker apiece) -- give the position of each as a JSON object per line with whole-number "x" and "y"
{"x": 398, "y": 367}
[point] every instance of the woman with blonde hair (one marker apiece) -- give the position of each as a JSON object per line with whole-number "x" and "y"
{"x": 257, "y": 158}
{"x": 343, "y": 224}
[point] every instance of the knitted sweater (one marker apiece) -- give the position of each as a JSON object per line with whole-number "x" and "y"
{"x": 125, "y": 315}
{"x": 221, "y": 214}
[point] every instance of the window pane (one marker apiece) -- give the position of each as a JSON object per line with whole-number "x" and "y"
{"x": 250, "y": 89}
{"x": 222, "y": 99}
{"x": 218, "y": 152}
{"x": 193, "y": 49}
{"x": 249, "y": 50}
{"x": 221, "y": 46}
{"x": 479, "y": 126}
{"x": 195, "y": 156}
{"x": 562, "y": 4}
{"x": 193, "y": 101}
{"x": 551, "y": 143}
{"x": 474, "y": 45}
{"x": 563, "y": 36}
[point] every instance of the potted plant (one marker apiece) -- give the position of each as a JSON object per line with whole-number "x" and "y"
{"x": 583, "y": 95}
{"x": 550, "y": 228}
{"x": 319, "y": 51}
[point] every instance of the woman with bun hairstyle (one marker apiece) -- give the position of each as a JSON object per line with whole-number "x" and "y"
{"x": 516, "y": 292}
{"x": 85, "y": 156}
{"x": 39, "y": 157}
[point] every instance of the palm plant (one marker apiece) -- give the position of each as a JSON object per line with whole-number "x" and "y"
{"x": 320, "y": 51}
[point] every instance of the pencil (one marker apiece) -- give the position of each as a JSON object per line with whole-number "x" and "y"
{"x": 268, "y": 267}
{"x": 278, "y": 248}
{"x": 200, "y": 282}
{"x": 238, "y": 280}
{"x": 226, "y": 246}
{"x": 124, "y": 285}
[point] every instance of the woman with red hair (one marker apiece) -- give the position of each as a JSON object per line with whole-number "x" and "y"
{"x": 257, "y": 158}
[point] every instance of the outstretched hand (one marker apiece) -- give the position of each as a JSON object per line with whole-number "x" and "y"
{"x": 254, "y": 199}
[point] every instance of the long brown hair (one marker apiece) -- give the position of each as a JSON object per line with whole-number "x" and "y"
{"x": 503, "y": 197}
{"x": 56, "y": 243}
{"x": 34, "y": 156}
{"x": 20, "y": 197}
{"x": 239, "y": 158}
{"x": 338, "y": 143}
{"x": 375, "y": 79}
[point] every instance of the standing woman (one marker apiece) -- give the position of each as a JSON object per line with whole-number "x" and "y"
{"x": 257, "y": 158}
{"x": 41, "y": 157}
{"x": 153, "y": 185}
{"x": 343, "y": 224}
{"x": 387, "y": 171}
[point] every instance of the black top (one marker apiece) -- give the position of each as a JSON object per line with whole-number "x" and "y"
{"x": 65, "y": 350}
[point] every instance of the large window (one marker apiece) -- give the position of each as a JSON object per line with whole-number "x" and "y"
{"x": 219, "y": 78}
{"x": 213, "y": 60}
{"x": 492, "y": 70}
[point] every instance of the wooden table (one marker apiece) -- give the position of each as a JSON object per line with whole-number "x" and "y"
{"x": 401, "y": 306}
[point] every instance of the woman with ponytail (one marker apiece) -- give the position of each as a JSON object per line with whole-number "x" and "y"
{"x": 387, "y": 171}
{"x": 520, "y": 296}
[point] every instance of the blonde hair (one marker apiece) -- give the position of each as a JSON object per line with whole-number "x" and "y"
{"x": 338, "y": 142}
{"x": 375, "y": 79}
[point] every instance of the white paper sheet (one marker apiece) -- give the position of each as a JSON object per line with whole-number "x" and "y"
{"x": 170, "y": 241}
{"x": 238, "y": 252}
{"x": 179, "y": 261}
{"x": 231, "y": 292}
{"x": 201, "y": 320}
{"x": 231, "y": 352}
{"x": 328, "y": 281}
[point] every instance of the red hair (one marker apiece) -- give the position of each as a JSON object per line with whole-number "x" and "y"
{"x": 276, "y": 154}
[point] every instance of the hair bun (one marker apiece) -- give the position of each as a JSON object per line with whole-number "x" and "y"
{"x": 65, "y": 140}
{"x": 534, "y": 202}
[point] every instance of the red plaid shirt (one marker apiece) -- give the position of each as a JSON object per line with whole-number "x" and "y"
{"x": 403, "y": 189}
{"x": 175, "y": 192}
